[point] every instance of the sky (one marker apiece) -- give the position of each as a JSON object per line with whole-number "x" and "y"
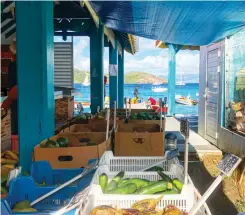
{"x": 148, "y": 59}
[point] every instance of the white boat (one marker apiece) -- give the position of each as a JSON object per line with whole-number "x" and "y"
{"x": 86, "y": 82}
{"x": 179, "y": 99}
{"x": 159, "y": 89}
{"x": 180, "y": 83}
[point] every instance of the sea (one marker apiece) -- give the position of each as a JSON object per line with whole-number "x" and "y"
{"x": 145, "y": 90}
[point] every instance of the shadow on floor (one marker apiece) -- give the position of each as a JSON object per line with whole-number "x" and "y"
{"x": 218, "y": 203}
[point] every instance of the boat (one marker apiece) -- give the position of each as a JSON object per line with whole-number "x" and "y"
{"x": 86, "y": 82}
{"x": 180, "y": 83}
{"x": 179, "y": 99}
{"x": 159, "y": 89}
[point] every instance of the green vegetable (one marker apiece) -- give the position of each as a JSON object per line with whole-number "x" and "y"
{"x": 121, "y": 183}
{"x": 103, "y": 181}
{"x": 178, "y": 183}
{"x": 155, "y": 187}
{"x": 127, "y": 189}
{"x": 22, "y": 205}
{"x": 4, "y": 178}
{"x": 173, "y": 191}
{"x": 51, "y": 144}
{"x": 118, "y": 177}
{"x": 164, "y": 176}
{"x": 4, "y": 190}
{"x": 137, "y": 181}
{"x": 62, "y": 141}
{"x": 155, "y": 168}
{"x": 111, "y": 186}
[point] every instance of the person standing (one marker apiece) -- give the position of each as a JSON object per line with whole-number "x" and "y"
{"x": 136, "y": 92}
{"x": 105, "y": 82}
{"x": 11, "y": 101}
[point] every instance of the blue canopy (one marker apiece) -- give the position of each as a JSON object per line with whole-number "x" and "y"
{"x": 182, "y": 22}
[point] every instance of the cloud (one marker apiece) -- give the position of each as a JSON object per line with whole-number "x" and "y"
{"x": 149, "y": 59}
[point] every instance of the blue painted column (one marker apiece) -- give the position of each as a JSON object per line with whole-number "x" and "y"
{"x": 172, "y": 51}
{"x": 35, "y": 75}
{"x": 96, "y": 68}
{"x": 113, "y": 72}
{"x": 121, "y": 80}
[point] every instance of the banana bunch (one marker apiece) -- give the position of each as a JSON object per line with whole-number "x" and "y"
{"x": 9, "y": 159}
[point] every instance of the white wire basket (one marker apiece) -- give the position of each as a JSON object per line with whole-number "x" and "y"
{"x": 132, "y": 164}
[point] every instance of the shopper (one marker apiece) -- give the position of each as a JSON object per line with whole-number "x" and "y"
{"x": 11, "y": 101}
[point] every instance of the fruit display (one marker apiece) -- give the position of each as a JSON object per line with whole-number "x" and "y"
{"x": 143, "y": 207}
{"x": 8, "y": 161}
{"x": 120, "y": 185}
{"x": 23, "y": 206}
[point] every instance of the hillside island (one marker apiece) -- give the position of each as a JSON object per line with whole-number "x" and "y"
{"x": 129, "y": 78}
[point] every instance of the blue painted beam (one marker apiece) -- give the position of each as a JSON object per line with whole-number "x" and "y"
{"x": 113, "y": 72}
{"x": 97, "y": 68}
{"x": 172, "y": 51}
{"x": 35, "y": 75}
{"x": 121, "y": 80}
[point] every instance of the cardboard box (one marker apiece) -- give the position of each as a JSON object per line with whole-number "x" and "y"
{"x": 74, "y": 156}
{"x": 135, "y": 110}
{"x": 86, "y": 128}
{"x": 139, "y": 140}
{"x": 133, "y": 121}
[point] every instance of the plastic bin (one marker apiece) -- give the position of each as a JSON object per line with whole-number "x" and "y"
{"x": 24, "y": 188}
{"x": 41, "y": 171}
{"x": 15, "y": 142}
{"x": 185, "y": 200}
{"x": 134, "y": 163}
{"x": 122, "y": 201}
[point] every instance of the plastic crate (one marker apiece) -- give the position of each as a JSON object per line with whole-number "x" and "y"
{"x": 133, "y": 163}
{"x": 41, "y": 171}
{"x": 185, "y": 200}
{"x": 122, "y": 201}
{"x": 24, "y": 188}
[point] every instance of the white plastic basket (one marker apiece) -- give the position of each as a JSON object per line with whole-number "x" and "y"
{"x": 185, "y": 200}
{"x": 134, "y": 163}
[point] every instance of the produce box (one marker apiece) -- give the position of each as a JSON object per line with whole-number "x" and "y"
{"x": 81, "y": 148}
{"x": 126, "y": 202}
{"x": 184, "y": 199}
{"x": 139, "y": 140}
{"x": 134, "y": 163}
{"x": 86, "y": 128}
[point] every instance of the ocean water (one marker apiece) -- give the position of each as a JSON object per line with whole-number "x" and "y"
{"x": 145, "y": 90}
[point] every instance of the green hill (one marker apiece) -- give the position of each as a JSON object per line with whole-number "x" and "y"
{"x": 130, "y": 78}
{"x": 142, "y": 78}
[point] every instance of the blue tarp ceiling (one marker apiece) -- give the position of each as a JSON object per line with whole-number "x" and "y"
{"x": 182, "y": 22}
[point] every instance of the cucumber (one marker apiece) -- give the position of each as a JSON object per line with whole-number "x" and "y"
{"x": 178, "y": 183}
{"x": 127, "y": 189}
{"x": 164, "y": 176}
{"x": 118, "y": 177}
{"x": 111, "y": 186}
{"x": 156, "y": 187}
{"x": 173, "y": 191}
{"x": 121, "y": 183}
{"x": 137, "y": 181}
{"x": 103, "y": 181}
